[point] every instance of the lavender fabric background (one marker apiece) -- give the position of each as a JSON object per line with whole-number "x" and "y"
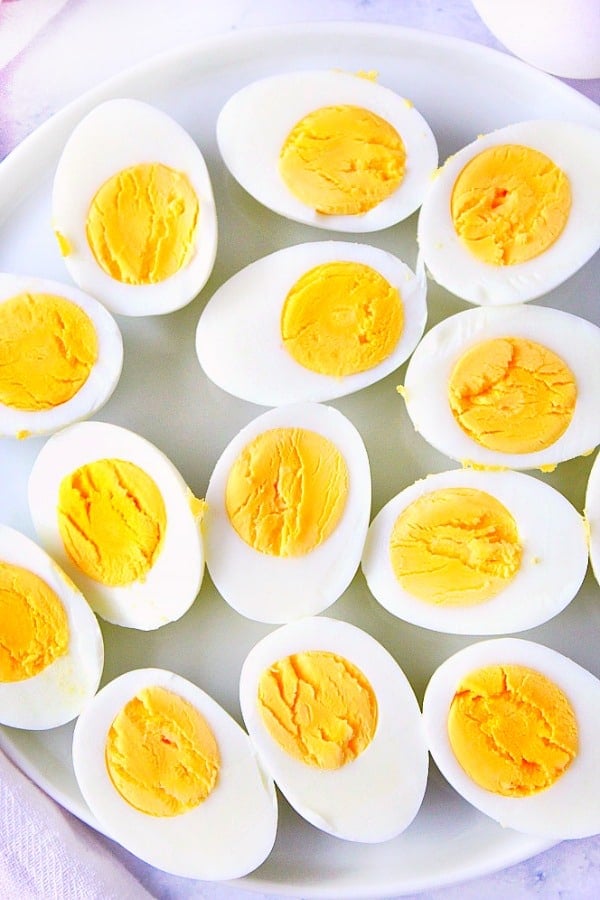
{"x": 50, "y": 52}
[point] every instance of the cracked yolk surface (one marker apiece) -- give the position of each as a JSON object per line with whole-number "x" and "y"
{"x": 319, "y": 707}
{"x": 455, "y": 547}
{"x": 112, "y": 520}
{"x": 161, "y": 754}
{"x": 342, "y": 160}
{"x": 512, "y": 394}
{"x": 510, "y": 203}
{"x": 286, "y": 491}
{"x": 341, "y": 318}
{"x": 34, "y": 628}
{"x": 48, "y": 347}
{"x": 142, "y": 222}
{"x": 512, "y": 730}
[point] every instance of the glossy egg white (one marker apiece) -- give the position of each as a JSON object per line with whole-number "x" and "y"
{"x": 553, "y": 566}
{"x": 59, "y": 692}
{"x": 228, "y": 835}
{"x": 567, "y": 809}
{"x": 238, "y": 338}
{"x": 278, "y": 589}
{"x": 174, "y": 580}
{"x": 115, "y": 135}
{"x": 254, "y": 123}
{"x": 375, "y": 796}
{"x": 575, "y": 149}
{"x": 574, "y": 339}
{"x": 592, "y": 516}
{"x": 104, "y": 375}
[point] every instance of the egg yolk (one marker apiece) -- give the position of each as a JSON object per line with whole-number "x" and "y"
{"x": 34, "y": 628}
{"x": 512, "y": 395}
{"x": 112, "y": 521}
{"x": 509, "y": 204}
{"x": 455, "y": 547}
{"x": 512, "y": 730}
{"x": 342, "y": 160}
{"x": 286, "y": 491}
{"x": 48, "y": 347}
{"x": 161, "y": 754}
{"x": 341, "y": 318}
{"x": 142, "y": 222}
{"x": 319, "y": 707}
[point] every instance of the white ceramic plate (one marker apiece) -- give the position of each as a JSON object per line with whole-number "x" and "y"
{"x": 462, "y": 89}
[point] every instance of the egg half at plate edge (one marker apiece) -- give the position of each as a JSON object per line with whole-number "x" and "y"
{"x": 173, "y": 778}
{"x": 51, "y": 647}
{"x": 514, "y": 727}
{"x": 328, "y": 148}
{"x": 287, "y": 511}
{"x": 592, "y": 516}
{"x": 514, "y": 386}
{"x": 117, "y": 515}
{"x": 61, "y": 355}
{"x": 336, "y": 723}
{"x": 475, "y": 552}
{"x": 133, "y": 209}
{"x": 311, "y": 322}
{"x": 513, "y": 214}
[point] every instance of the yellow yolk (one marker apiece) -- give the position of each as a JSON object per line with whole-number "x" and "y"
{"x": 319, "y": 707}
{"x": 286, "y": 491}
{"x": 510, "y": 203}
{"x": 48, "y": 347}
{"x": 513, "y": 395}
{"x": 112, "y": 521}
{"x": 34, "y": 628}
{"x": 455, "y": 547}
{"x": 512, "y": 730}
{"x": 342, "y": 160}
{"x": 341, "y": 318}
{"x": 161, "y": 754}
{"x": 141, "y": 223}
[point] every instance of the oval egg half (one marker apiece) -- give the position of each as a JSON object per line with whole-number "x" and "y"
{"x": 592, "y": 516}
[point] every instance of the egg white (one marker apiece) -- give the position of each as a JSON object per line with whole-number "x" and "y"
{"x": 592, "y": 516}
{"x": 254, "y": 123}
{"x": 375, "y": 796}
{"x": 59, "y": 692}
{"x": 567, "y": 809}
{"x": 173, "y": 582}
{"x": 575, "y": 149}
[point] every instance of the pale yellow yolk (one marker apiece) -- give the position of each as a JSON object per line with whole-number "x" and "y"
{"x": 455, "y": 547}
{"x": 112, "y": 521}
{"x": 286, "y": 491}
{"x": 48, "y": 347}
{"x": 142, "y": 222}
{"x": 161, "y": 754}
{"x": 341, "y": 318}
{"x": 34, "y": 628}
{"x": 512, "y": 730}
{"x": 510, "y": 203}
{"x": 319, "y": 707}
{"x": 512, "y": 395}
{"x": 342, "y": 160}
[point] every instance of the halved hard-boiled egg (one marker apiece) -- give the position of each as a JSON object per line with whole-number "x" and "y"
{"x": 592, "y": 516}
{"x": 173, "y": 778}
{"x": 51, "y": 647}
{"x": 311, "y": 322}
{"x": 336, "y": 723}
{"x": 61, "y": 355}
{"x": 514, "y": 726}
{"x": 133, "y": 209}
{"x": 513, "y": 214}
{"x": 328, "y": 148}
{"x": 471, "y": 552}
{"x": 507, "y": 386}
{"x": 288, "y": 506}
{"x": 114, "y": 511}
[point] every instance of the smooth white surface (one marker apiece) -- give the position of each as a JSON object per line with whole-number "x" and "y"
{"x": 463, "y": 90}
